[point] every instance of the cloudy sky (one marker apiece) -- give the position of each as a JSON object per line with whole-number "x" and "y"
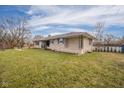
{"x": 45, "y": 20}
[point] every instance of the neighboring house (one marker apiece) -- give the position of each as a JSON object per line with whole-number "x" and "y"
{"x": 74, "y": 42}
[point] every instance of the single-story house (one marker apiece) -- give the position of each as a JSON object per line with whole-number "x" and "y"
{"x": 73, "y": 42}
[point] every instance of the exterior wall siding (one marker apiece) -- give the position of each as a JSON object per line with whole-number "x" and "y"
{"x": 86, "y": 46}
{"x": 71, "y": 45}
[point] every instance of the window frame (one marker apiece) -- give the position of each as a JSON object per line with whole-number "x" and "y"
{"x": 61, "y": 40}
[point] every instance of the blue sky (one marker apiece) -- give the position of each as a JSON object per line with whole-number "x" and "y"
{"x": 45, "y": 20}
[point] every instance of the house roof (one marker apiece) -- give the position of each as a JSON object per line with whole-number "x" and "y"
{"x": 67, "y": 35}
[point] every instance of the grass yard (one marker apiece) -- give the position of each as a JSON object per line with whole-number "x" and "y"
{"x": 44, "y": 68}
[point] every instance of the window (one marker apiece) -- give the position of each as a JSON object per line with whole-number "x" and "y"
{"x": 61, "y": 40}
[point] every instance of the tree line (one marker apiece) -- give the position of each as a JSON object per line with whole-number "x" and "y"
{"x": 13, "y": 32}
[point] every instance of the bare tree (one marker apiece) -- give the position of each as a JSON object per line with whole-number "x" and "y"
{"x": 3, "y": 36}
{"x": 109, "y": 38}
{"x": 13, "y": 32}
{"x": 121, "y": 40}
{"x": 99, "y": 31}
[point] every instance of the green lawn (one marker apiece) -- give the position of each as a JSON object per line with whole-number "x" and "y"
{"x": 43, "y": 68}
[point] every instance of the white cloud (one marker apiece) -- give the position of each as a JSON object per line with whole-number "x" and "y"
{"x": 67, "y": 30}
{"x": 40, "y": 28}
{"x": 111, "y": 15}
{"x": 56, "y": 33}
{"x": 46, "y": 9}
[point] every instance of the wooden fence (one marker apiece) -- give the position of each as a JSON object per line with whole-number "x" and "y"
{"x": 107, "y": 49}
